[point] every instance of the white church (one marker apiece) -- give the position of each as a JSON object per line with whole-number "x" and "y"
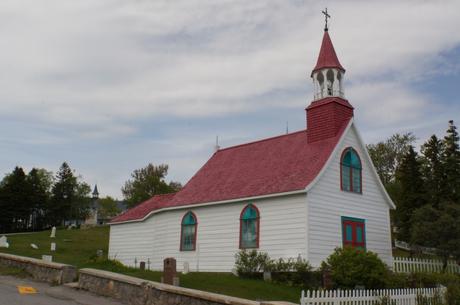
{"x": 299, "y": 194}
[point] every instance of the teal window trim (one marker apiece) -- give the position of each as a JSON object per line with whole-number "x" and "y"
{"x": 249, "y": 220}
{"x": 355, "y": 223}
{"x": 353, "y": 219}
{"x": 188, "y": 234}
{"x": 351, "y": 177}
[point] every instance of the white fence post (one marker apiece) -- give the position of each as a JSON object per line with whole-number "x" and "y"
{"x": 369, "y": 297}
{"x": 408, "y": 264}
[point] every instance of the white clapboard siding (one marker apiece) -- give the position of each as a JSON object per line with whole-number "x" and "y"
{"x": 283, "y": 227}
{"x": 130, "y": 242}
{"x": 370, "y": 297}
{"x": 327, "y": 204}
{"x": 407, "y": 265}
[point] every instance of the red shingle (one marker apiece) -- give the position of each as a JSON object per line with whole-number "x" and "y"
{"x": 327, "y": 57}
{"x": 326, "y": 117}
{"x": 141, "y": 210}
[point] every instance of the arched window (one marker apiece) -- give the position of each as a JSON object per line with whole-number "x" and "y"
{"x": 249, "y": 227}
{"x": 188, "y": 232}
{"x": 350, "y": 171}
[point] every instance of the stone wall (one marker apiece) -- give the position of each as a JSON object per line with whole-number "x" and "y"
{"x": 135, "y": 291}
{"x": 43, "y": 271}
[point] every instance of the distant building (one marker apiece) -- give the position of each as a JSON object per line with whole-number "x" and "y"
{"x": 300, "y": 194}
{"x": 92, "y": 219}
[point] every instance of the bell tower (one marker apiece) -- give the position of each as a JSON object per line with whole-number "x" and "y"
{"x": 328, "y": 73}
{"x": 329, "y": 110}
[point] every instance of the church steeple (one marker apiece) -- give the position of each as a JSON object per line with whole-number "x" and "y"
{"x": 329, "y": 110}
{"x": 328, "y": 73}
{"x": 95, "y": 192}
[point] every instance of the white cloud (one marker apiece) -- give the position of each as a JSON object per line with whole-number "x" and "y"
{"x": 140, "y": 59}
{"x": 91, "y": 70}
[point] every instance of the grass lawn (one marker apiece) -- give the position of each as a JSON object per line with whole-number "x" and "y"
{"x": 78, "y": 248}
{"x": 74, "y": 247}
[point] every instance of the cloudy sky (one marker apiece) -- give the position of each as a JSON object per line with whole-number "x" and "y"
{"x": 111, "y": 85}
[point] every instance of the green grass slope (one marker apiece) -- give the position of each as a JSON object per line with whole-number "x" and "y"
{"x": 74, "y": 247}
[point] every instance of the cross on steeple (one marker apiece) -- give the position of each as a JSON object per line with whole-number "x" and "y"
{"x": 326, "y": 15}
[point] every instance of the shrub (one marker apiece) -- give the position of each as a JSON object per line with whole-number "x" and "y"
{"x": 297, "y": 272}
{"x": 290, "y": 271}
{"x": 350, "y": 267}
{"x": 251, "y": 263}
{"x": 425, "y": 279}
{"x": 437, "y": 299}
{"x": 453, "y": 294}
{"x": 395, "y": 280}
{"x": 386, "y": 300}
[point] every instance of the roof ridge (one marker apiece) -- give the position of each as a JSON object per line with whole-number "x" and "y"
{"x": 261, "y": 140}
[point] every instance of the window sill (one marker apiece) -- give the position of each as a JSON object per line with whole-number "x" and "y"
{"x": 351, "y": 192}
{"x": 249, "y": 248}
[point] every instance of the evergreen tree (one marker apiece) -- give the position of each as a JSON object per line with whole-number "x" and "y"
{"x": 437, "y": 223}
{"x": 40, "y": 181}
{"x": 439, "y": 229}
{"x": 70, "y": 197}
{"x": 412, "y": 193}
{"x": 432, "y": 170}
{"x": 63, "y": 193}
{"x": 15, "y": 203}
{"x": 451, "y": 164}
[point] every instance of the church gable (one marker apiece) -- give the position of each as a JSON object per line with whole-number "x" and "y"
{"x": 339, "y": 212}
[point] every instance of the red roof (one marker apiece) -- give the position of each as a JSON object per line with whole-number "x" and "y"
{"x": 141, "y": 210}
{"x": 327, "y": 57}
{"x": 275, "y": 165}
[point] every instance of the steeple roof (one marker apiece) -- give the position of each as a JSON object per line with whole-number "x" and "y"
{"x": 95, "y": 191}
{"x": 327, "y": 57}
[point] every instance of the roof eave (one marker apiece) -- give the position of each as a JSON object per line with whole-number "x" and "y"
{"x": 190, "y": 206}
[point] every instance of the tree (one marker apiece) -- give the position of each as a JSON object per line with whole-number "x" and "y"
{"x": 438, "y": 228}
{"x": 81, "y": 204}
{"x": 70, "y": 197}
{"x": 451, "y": 164}
{"x": 62, "y": 195}
{"x": 387, "y": 155}
{"x": 15, "y": 203}
{"x": 107, "y": 208}
{"x": 40, "y": 181}
{"x": 437, "y": 224}
{"x": 432, "y": 170}
{"x": 412, "y": 194}
{"x": 147, "y": 182}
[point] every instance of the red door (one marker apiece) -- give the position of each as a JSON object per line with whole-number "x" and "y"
{"x": 353, "y": 231}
